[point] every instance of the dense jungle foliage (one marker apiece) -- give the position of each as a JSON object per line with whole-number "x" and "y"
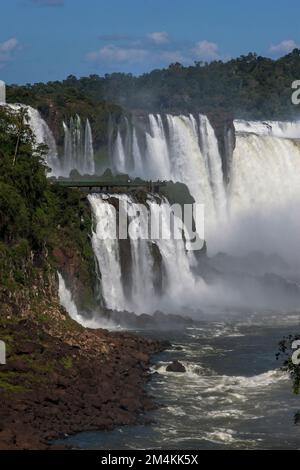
{"x": 59, "y": 101}
{"x": 249, "y": 86}
{"x": 35, "y": 215}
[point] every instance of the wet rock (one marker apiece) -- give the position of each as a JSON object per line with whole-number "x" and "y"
{"x": 176, "y": 366}
{"x": 130, "y": 404}
{"x": 55, "y": 389}
{"x": 142, "y": 357}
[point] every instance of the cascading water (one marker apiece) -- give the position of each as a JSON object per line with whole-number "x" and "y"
{"x": 266, "y": 166}
{"x": 78, "y": 148}
{"x": 263, "y": 194}
{"x": 178, "y": 148}
{"x": 42, "y": 133}
{"x": 264, "y": 189}
{"x": 106, "y": 249}
{"x": 78, "y": 143}
{"x": 89, "y": 161}
{"x": 67, "y": 301}
{"x": 180, "y": 283}
{"x": 263, "y": 172}
{"x": 284, "y": 129}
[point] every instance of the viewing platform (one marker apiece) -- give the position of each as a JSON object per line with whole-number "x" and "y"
{"x": 94, "y": 186}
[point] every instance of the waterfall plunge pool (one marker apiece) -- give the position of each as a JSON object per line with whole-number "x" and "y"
{"x": 232, "y": 395}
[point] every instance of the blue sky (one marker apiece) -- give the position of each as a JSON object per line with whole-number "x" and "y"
{"x": 43, "y": 40}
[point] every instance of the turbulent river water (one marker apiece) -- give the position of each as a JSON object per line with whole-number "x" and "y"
{"x": 231, "y": 396}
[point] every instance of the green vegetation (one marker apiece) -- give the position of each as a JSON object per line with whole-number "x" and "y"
{"x": 23, "y": 195}
{"x": 249, "y": 86}
{"x": 59, "y": 101}
{"x": 35, "y": 215}
{"x": 286, "y": 352}
{"x": 9, "y": 387}
{"x": 67, "y": 362}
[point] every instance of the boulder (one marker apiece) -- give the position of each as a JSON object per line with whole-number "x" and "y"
{"x": 175, "y": 366}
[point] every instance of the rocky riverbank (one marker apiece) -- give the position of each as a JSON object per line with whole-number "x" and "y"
{"x": 61, "y": 379}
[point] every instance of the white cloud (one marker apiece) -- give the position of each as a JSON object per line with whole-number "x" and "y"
{"x": 284, "y": 47}
{"x": 114, "y": 53}
{"x": 159, "y": 37}
{"x": 164, "y": 53}
{"x": 6, "y": 50}
{"x": 9, "y": 45}
{"x": 205, "y": 50}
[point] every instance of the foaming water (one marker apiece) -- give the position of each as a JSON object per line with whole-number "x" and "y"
{"x": 263, "y": 173}
{"x": 264, "y": 193}
{"x": 180, "y": 285}
{"x": 231, "y": 396}
{"x": 286, "y": 130}
{"x": 67, "y": 301}
{"x": 142, "y": 275}
{"x": 178, "y": 148}
{"x": 254, "y": 218}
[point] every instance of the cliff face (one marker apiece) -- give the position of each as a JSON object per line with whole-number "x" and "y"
{"x": 28, "y": 277}
{"x": 73, "y": 256}
{"x": 224, "y": 129}
{"x": 60, "y": 378}
{"x": 23, "y": 302}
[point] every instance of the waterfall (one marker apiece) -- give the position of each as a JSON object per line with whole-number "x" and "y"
{"x": 119, "y": 154}
{"x": 89, "y": 161}
{"x": 214, "y": 164}
{"x": 179, "y": 282}
{"x": 78, "y": 148}
{"x": 106, "y": 249}
{"x": 251, "y": 213}
{"x": 42, "y": 133}
{"x": 78, "y": 151}
{"x": 142, "y": 272}
{"x": 264, "y": 189}
{"x": 178, "y": 148}
{"x": 263, "y": 171}
{"x": 157, "y": 150}
{"x": 285, "y": 129}
{"x": 67, "y": 301}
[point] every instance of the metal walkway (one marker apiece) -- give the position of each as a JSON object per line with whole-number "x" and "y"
{"x": 111, "y": 186}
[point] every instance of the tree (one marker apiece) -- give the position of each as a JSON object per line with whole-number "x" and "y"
{"x": 287, "y": 350}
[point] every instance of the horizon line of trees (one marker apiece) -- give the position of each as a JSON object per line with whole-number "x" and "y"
{"x": 250, "y": 86}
